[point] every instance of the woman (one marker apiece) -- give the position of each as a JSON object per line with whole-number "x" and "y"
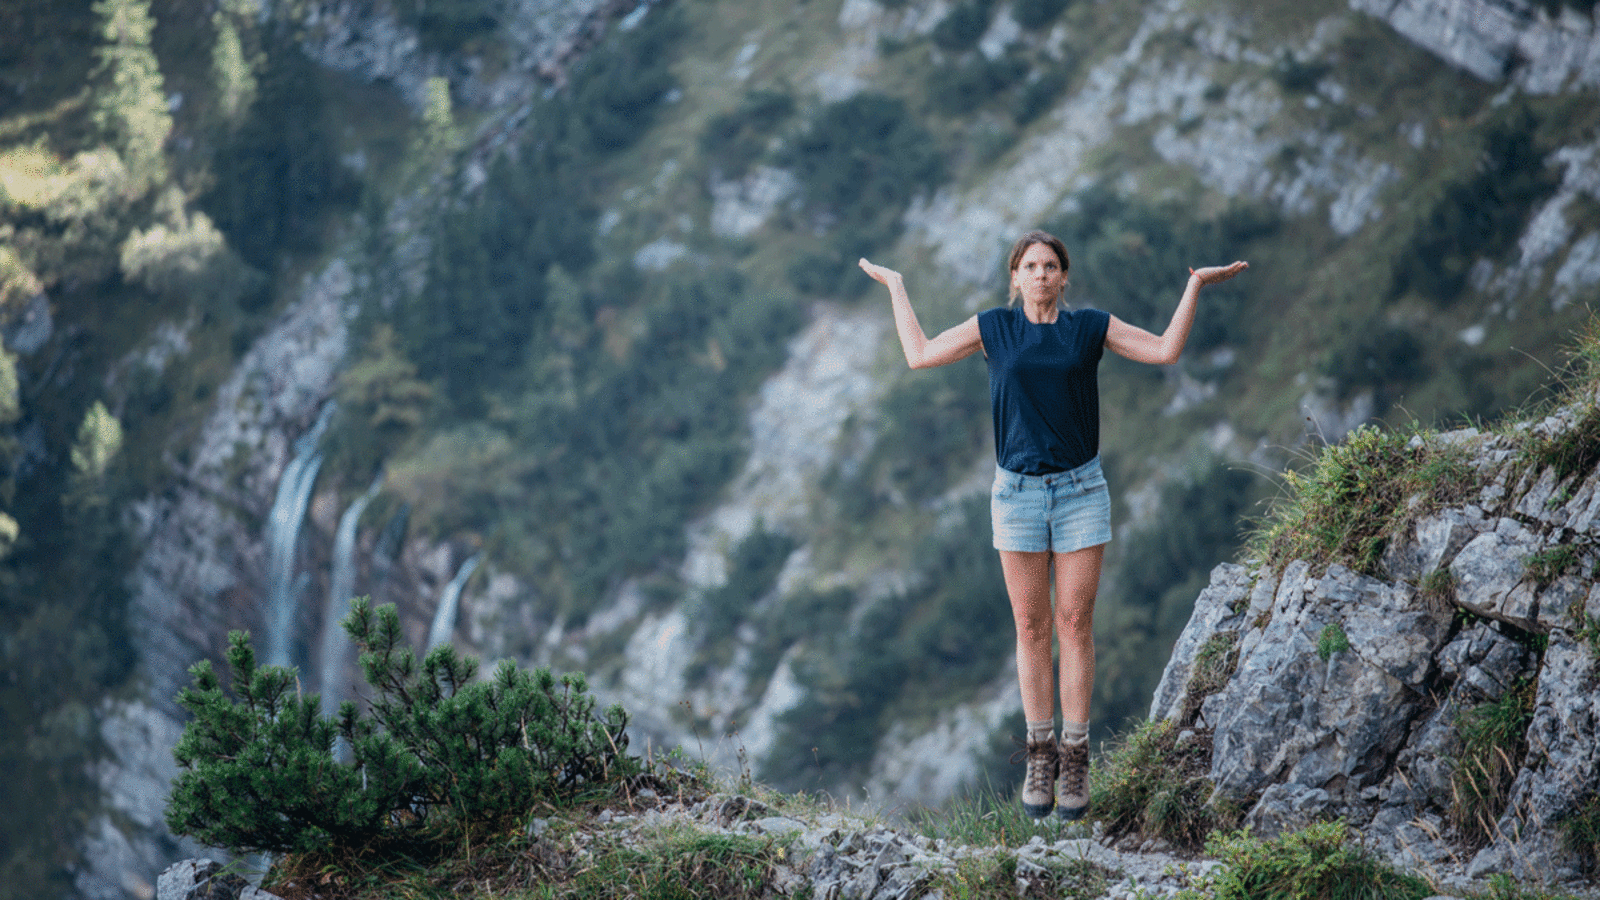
{"x": 1050, "y": 504}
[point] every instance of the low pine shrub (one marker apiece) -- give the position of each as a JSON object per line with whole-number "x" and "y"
{"x": 438, "y": 754}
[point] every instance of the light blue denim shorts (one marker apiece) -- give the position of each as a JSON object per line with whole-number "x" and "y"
{"x": 1063, "y": 512}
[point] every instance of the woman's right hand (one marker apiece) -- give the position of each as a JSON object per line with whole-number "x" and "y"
{"x": 880, "y": 274}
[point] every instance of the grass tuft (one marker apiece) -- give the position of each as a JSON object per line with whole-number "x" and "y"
{"x": 1319, "y": 862}
{"x": 1493, "y": 744}
{"x": 1331, "y": 640}
{"x": 987, "y": 817}
{"x": 1580, "y": 832}
{"x": 1575, "y": 451}
{"x": 1214, "y": 664}
{"x": 1437, "y": 589}
{"x": 1001, "y": 877}
{"x": 1357, "y": 495}
{"x": 1545, "y": 566}
{"x": 1155, "y": 786}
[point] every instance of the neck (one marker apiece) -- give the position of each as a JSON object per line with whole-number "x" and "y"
{"x": 1040, "y": 313}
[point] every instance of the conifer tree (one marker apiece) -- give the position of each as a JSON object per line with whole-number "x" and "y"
{"x": 129, "y": 101}
{"x": 232, "y": 65}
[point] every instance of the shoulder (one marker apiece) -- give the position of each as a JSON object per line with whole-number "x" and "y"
{"x": 1091, "y": 319}
{"x": 997, "y": 319}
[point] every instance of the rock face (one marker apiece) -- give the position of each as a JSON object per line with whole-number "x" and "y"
{"x": 1500, "y": 39}
{"x": 1349, "y": 690}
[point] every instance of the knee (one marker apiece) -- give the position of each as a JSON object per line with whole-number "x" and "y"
{"x": 1034, "y": 631}
{"x": 1077, "y": 625}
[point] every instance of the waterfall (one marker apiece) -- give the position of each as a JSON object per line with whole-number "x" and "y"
{"x": 334, "y": 642}
{"x": 283, "y": 535}
{"x": 444, "y": 618}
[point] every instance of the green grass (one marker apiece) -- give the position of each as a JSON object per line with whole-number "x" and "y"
{"x": 988, "y": 817}
{"x": 1355, "y": 496}
{"x": 1331, "y": 640}
{"x": 1155, "y": 787}
{"x": 1437, "y": 589}
{"x": 1493, "y": 744}
{"x": 1545, "y": 566}
{"x": 1320, "y": 862}
{"x": 1580, "y": 831}
{"x": 1214, "y": 664}
{"x": 996, "y": 878}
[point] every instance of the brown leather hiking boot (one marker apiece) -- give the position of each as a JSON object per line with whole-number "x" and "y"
{"x": 1039, "y": 784}
{"x": 1072, "y": 789}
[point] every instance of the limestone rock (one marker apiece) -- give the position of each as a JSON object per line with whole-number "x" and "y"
{"x": 1372, "y": 732}
{"x": 1491, "y": 577}
{"x": 204, "y": 879}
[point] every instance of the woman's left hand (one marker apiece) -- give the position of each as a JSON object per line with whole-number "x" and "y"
{"x": 1218, "y": 274}
{"x": 881, "y": 274}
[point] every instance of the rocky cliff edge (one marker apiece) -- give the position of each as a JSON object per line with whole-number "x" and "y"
{"x": 1333, "y": 693}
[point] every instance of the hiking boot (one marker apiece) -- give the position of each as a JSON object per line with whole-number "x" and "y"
{"x": 1072, "y": 789}
{"x": 1039, "y": 784}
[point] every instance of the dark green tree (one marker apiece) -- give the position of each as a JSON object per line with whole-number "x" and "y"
{"x": 129, "y": 102}
{"x": 439, "y": 754}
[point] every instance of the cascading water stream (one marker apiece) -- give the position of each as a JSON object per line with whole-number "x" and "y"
{"x": 444, "y": 618}
{"x": 335, "y": 644}
{"x": 283, "y": 536}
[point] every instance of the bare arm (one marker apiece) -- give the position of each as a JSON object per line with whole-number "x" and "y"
{"x": 949, "y": 346}
{"x": 1164, "y": 349}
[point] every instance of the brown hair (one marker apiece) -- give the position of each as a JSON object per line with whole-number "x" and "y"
{"x": 1021, "y": 247}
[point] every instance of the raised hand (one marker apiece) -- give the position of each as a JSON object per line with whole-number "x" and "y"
{"x": 881, "y": 274}
{"x": 1217, "y": 274}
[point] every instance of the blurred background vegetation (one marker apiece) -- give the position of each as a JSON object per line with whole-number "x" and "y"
{"x": 549, "y": 396}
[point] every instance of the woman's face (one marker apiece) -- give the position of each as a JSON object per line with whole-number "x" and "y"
{"x": 1038, "y": 276}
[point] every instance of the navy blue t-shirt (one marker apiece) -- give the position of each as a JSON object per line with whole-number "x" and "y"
{"x": 1043, "y": 387}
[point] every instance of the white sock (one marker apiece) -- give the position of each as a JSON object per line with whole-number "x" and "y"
{"x": 1074, "y": 732}
{"x": 1038, "y": 732}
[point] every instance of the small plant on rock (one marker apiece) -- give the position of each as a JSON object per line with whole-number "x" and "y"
{"x": 1155, "y": 785}
{"x": 1580, "y": 831}
{"x": 1549, "y": 564}
{"x": 1493, "y": 743}
{"x": 1331, "y": 640}
{"x": 439, "y": 756}
{"x": 1214, "y": 663}
{"x": 1437, "y": 589}
{"x": 1357, "y": 495}
{"x": 1319, "y": 862}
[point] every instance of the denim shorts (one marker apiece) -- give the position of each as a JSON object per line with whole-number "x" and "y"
{"x": 1062, "y": 512}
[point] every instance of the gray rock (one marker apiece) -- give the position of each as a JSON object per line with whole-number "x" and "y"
{"x": 204, "y": 879}
{"x": 1385, "y": 624}
{"x": 1561, "y": 605}
{"x": 1541, "y": 502}
{"x": 1491, "y": 575}
{"x": 1437, "y": 540}
{"x": 1286, "y": 807}
{"x": 1290, "y": 716}
{"x": 1582, "y": 508}
{"x": 1230, "y": 585}
{"x": 1557, "y": 774}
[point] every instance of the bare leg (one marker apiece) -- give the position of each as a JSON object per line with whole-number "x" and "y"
{"x": 1077, "y": 582}
{"x": 1028, "y": 585}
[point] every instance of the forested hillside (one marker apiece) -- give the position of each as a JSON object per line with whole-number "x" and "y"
{"x": 304, "y": 299}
